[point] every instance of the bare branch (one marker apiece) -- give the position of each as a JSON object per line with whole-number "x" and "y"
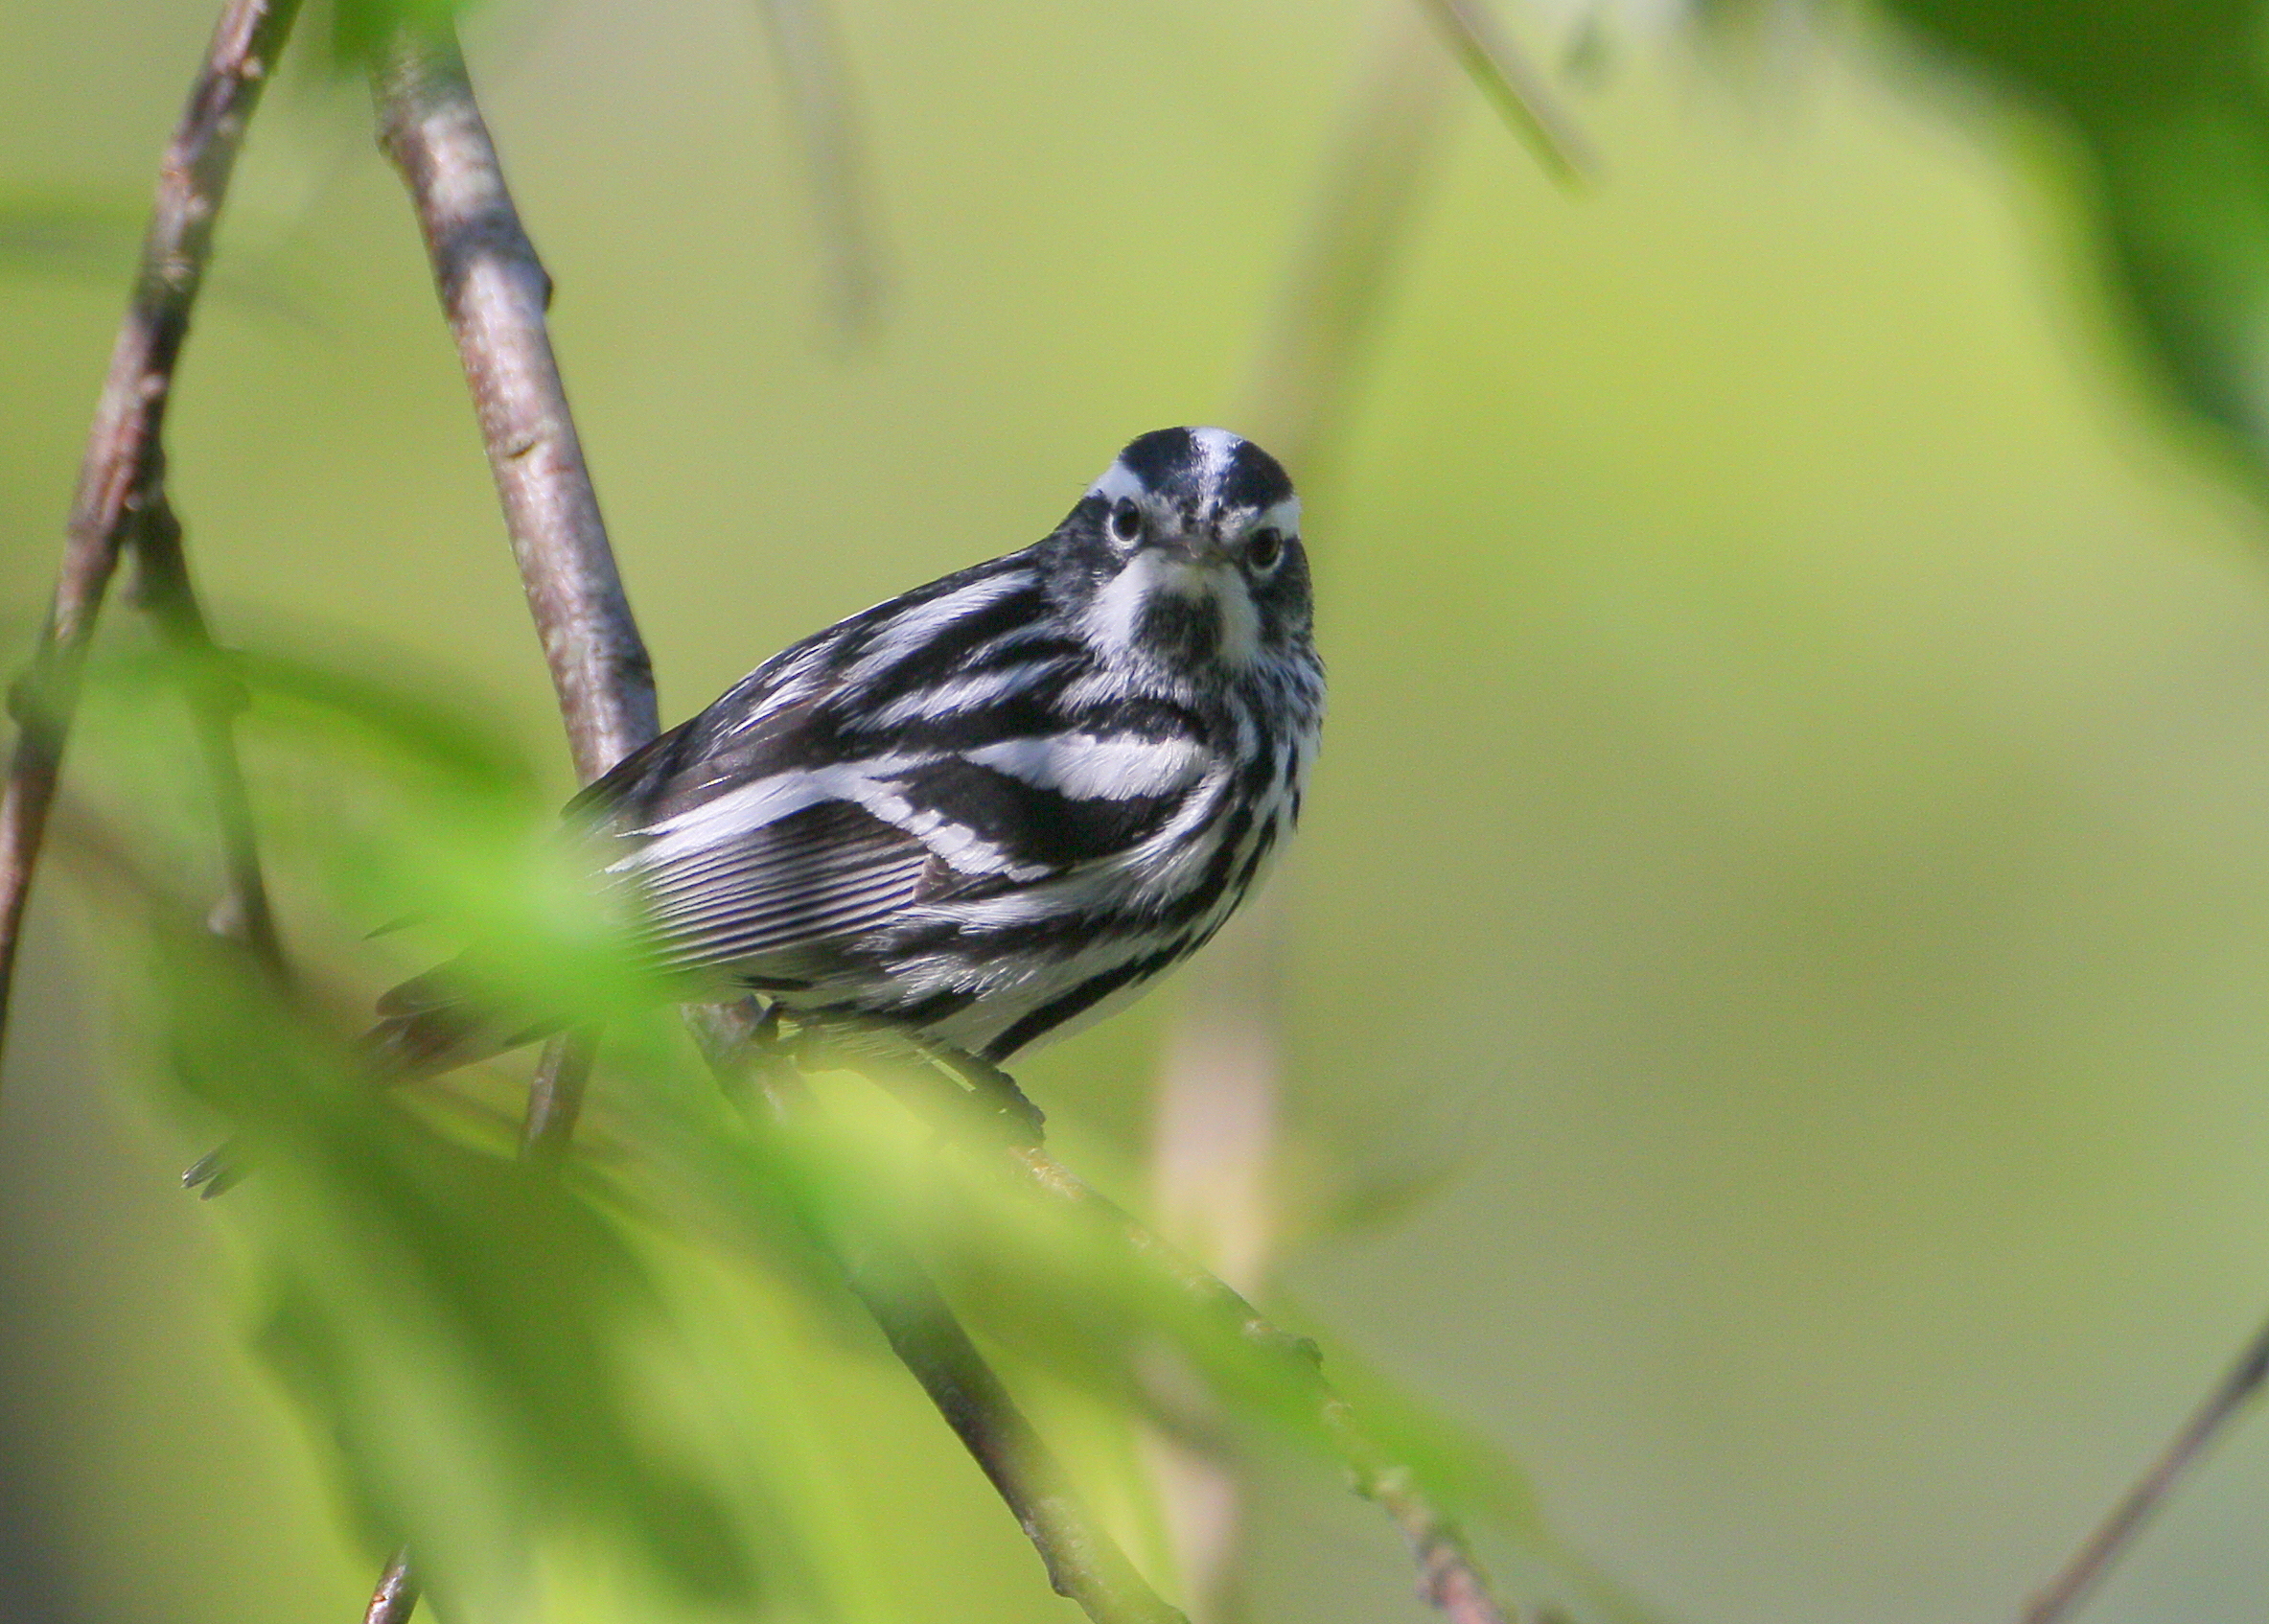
{"x": 495, "y": 292}
{"x": 121, "y": 489}
{"x": 2057, "y": 1599}
{"x": 1084, "y": 1562}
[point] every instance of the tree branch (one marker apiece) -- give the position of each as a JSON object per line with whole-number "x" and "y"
{"x": 121, "y": 496}
{"x": 1084, "y": 1563}
{"x": 495, "y": 291}
{"x": 555, "y": 1095}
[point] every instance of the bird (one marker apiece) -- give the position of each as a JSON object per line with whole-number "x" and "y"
{"x": 990, "y": 810}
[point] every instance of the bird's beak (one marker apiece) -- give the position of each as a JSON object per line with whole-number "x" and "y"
{"x": 1200, "y": 543}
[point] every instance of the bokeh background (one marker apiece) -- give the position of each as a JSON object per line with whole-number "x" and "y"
{"x": 1775, "y": 980}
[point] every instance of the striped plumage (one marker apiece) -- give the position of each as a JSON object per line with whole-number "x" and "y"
{"x": 990, "y": 809}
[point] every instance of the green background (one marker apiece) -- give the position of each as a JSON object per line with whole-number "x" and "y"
{"x": 1790, "y": 866}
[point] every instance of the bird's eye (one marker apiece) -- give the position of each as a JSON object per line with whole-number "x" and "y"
{"x": 1126, "y": 519}
{"x": 1266, "y": 550}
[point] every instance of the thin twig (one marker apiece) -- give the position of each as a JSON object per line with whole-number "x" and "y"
{"x": 396, "y": 1596}
{"x": 1084, "y": 1562}
{"x": 1504, "y": 76}
{"x": 2056, "y": 1600}
{"x": 495, "y": 292}
{"x": 122, "y": 478}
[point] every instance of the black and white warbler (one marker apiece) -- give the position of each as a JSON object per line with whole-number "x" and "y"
{"x": 988, "y": 810}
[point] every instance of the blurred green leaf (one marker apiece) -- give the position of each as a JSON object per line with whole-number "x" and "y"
{"x": 461, "y": 1328}
{"x": 2171, "y": 111}
{"x": 1076, "y": 1291}
{"x": 467, "y": 1332}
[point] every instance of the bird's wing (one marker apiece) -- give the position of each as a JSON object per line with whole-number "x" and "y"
{"x": 729, "y": 870}
{"x": 920, "y": 752}
{"x": 825, "y": 870}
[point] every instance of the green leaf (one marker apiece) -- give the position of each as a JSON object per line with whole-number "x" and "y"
{"x": 477, "y": 1339}
{"x": 2169, "y": 107}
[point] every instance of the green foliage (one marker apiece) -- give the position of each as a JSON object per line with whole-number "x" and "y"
{"x": 462, "y": 1330}
{"x": 490, "y": 1350}
{"x": 2171, "y": 109}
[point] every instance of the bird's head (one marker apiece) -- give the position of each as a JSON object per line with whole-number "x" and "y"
{"x": 1186, "y": 553}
